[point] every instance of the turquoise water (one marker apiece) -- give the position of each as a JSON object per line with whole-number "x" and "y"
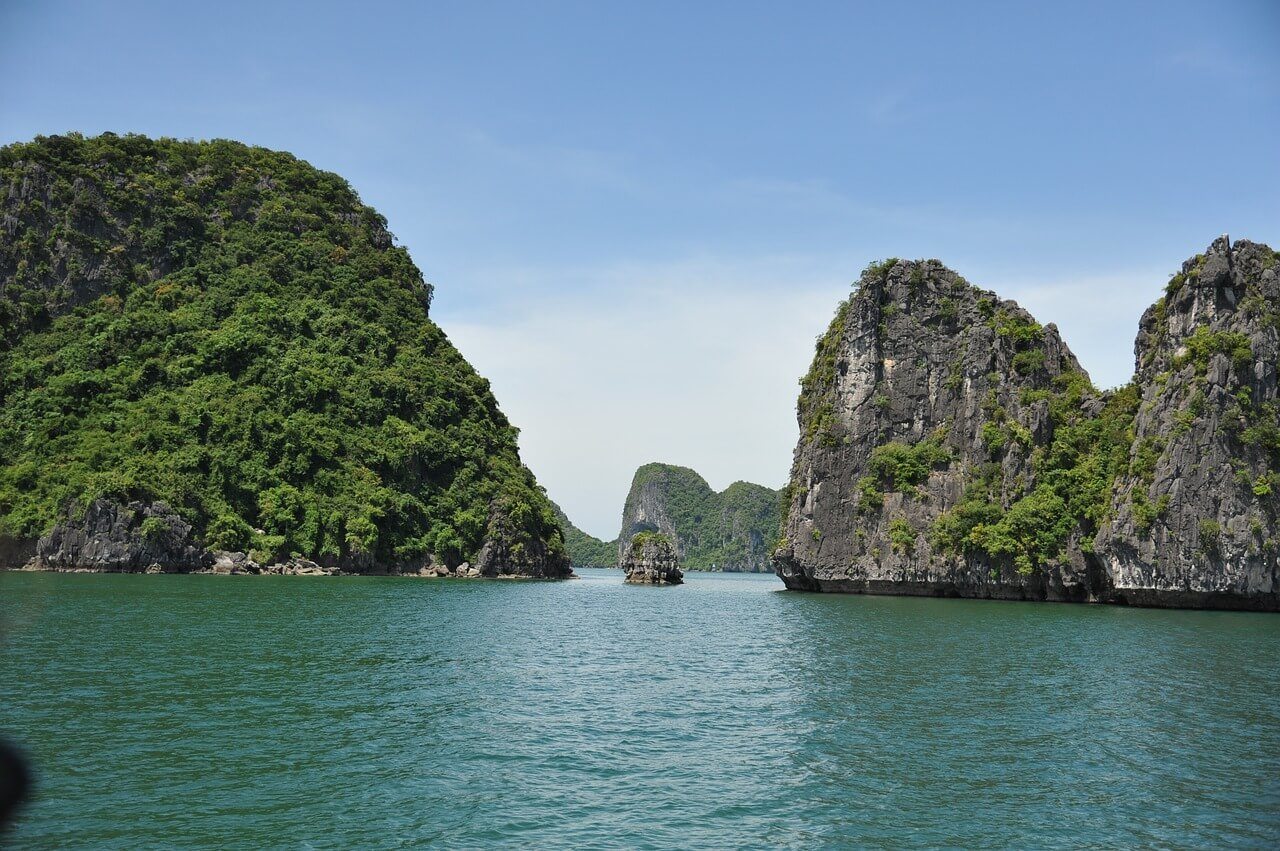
{"x": 363, "y": 712}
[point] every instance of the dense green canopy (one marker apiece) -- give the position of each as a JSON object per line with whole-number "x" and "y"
{"x": 228, "y": 329}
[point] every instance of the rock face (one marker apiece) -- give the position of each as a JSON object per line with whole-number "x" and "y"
{"x": 731, "y": 531}
{"x": 651, "y": 560}
{"x": 116, "y": 538}
{"x": 1194, "y": 518}
{"x": 951, "y": 445}
{"x": 510, "y": 550}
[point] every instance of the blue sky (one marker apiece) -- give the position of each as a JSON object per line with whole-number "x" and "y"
{"x": 639, "y": 216}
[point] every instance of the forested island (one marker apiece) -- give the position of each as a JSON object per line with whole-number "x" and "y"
{"x": 206, "y": 346}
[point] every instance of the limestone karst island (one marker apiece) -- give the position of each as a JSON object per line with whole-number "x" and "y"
{"x": 640, "y": 426}
{"x": 230, "y": 367}
{"x": 952, "y": 445}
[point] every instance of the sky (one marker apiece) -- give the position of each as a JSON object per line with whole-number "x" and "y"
{"x": 639, "y": 216}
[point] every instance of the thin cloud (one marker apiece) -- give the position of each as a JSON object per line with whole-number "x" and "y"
{"x": 690, "y": 364}
{"x": 1097, "y": 315}
{"x": 600, "y": 169}
{"x": 696, "y": 363}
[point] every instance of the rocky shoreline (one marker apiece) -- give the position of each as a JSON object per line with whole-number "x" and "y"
{"x": 294, "y": 567}
{"x": 151, "y": 538}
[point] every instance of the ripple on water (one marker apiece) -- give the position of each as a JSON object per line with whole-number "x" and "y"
{"x": 364, "y": 712}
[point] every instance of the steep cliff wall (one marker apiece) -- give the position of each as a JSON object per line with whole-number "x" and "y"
{"x": 650, "y": 559}
{"x": 1194, "y": 516}
{"x": 731, "y": 531}
{"x": 951, "y": 445}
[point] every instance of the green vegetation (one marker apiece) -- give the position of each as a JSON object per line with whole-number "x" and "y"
{"x": 902, "y": 537}
{"x": 1074, "y": 477}
{"x": 870, "y": 497}
{"x": 1264, "y": 484}
{"x": 1263, "y": 430}
{"x": 880, "y": 269}
{"x": 1210, "y": 535}
{"x": 642, "y": 539}
{"x": 585, "y": 550}
{"x": 955, "y": 376}
{"x": 1024, "y": 335}
{"x": 1022, "y": 331}
{"x": 817, "y": 415}
{"x": 1203, "y": 343}
{"x": 947, "y": 311}
{"x": 1145, "y": 513}
{"x": 900, "y": 466}
{"x": 734, "y": 529}
{"x": 153, "y": 528}
{"x": 230, "y": 330}
{"x": 1028, "y": 362}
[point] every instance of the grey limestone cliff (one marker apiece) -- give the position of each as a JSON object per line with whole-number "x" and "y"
{"x": 732, "y": 531}
{"x": 117, "y": 538}
{"x": 1194, "y": 517}
{"x": 951, "y": 445}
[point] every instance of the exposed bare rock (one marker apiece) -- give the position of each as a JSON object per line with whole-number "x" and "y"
{"x": 951, "y": 445}
{"x": 294, "y": 567}
{"x": 131, "y": 538}
{"x": 1194, "y": 517}
{"x": 512, "y": 549}
{"x": 651, "y": 560}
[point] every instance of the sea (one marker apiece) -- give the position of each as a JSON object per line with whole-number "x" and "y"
{"x": 383, "y": 712}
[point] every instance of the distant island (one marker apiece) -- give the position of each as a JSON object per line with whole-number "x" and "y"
{"x": 733, "y": 531}
{"x": 208, "y": 348}
{"x": 952, "y": 445}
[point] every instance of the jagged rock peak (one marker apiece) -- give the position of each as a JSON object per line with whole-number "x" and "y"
{"x": 1194, "y": 514}
{"x": 950, "y": 444}
{"x": 922, "y": 331}
{"x": 924, "y": 389}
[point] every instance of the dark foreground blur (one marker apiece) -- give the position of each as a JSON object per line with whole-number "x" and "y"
{"x": 15, "y": 784}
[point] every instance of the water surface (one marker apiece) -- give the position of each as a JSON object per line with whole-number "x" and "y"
{"x": 353, "y": 712}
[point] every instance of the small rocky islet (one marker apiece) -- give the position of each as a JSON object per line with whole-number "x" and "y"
{"x": 214, "y": 358}
{"x": 650, "y": 559}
